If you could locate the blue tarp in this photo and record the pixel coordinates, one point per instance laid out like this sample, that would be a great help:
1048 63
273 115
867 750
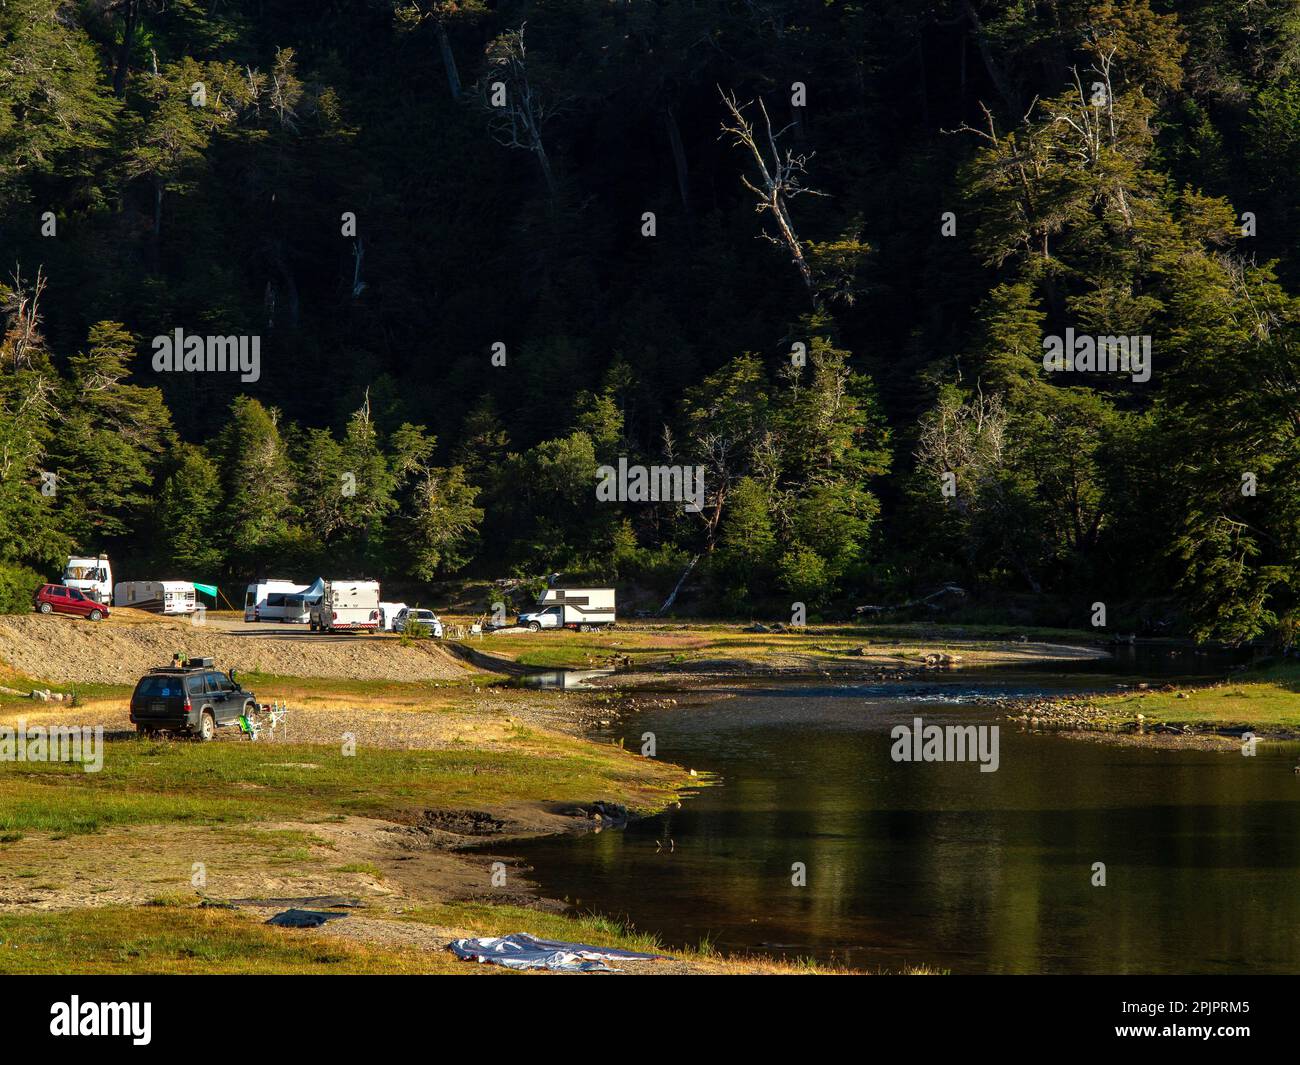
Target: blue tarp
522 951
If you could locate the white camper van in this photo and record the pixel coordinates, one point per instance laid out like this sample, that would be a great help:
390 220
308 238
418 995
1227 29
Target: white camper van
276 600
571 608
162 597
347 605
92 576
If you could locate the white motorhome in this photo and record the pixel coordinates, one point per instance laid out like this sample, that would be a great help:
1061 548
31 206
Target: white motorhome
571 608
93 576
279 600
161 597
347 605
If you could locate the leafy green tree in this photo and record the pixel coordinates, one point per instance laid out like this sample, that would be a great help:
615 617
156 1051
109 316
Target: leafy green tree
745 557
111 440
55 117
29 528
172 138
190 537
442 523
257 511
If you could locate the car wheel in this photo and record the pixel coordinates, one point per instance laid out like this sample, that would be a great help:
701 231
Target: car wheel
45 608
96 615
207 726
144 731
535 626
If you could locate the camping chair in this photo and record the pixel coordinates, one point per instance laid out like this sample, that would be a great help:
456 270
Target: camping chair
263 721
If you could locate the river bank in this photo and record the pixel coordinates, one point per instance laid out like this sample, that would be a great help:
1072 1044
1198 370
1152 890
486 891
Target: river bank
822 843
679 652
417 824
1264 702
394 804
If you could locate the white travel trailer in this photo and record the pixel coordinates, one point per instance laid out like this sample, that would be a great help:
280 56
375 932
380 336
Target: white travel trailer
93 576
162 597
387 612
278 600
571 608
347 605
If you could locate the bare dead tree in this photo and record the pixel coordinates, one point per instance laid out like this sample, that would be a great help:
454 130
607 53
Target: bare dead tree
439 13
358 256
519 111
1092 123
22 307
780 180
970 437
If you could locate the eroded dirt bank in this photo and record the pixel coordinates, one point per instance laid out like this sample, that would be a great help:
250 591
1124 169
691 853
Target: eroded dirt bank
69 650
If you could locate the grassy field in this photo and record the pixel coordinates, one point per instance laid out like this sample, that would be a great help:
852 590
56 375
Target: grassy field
178 940
1268 699
94 846
658 646
162 781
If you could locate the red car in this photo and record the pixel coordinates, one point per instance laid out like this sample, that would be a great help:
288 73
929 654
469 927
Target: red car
59 599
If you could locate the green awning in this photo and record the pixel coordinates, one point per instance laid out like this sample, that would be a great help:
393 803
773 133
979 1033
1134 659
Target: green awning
206 589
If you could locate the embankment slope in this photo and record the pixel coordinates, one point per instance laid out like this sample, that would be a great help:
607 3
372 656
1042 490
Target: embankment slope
66 650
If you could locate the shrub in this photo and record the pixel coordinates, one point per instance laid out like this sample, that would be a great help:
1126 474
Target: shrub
17 586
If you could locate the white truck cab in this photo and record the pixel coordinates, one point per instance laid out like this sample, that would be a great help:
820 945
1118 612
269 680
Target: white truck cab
92 576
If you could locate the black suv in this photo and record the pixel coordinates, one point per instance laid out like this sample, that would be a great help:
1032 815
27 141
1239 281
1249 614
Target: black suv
195 698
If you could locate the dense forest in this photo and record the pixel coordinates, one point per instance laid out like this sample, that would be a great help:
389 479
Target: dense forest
818 248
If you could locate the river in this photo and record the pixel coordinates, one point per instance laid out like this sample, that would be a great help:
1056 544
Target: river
940 864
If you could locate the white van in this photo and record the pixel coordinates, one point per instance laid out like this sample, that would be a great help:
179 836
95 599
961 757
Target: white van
161 597
347 605
276 600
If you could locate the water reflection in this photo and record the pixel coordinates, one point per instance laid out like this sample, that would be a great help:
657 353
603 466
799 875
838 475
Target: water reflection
942 864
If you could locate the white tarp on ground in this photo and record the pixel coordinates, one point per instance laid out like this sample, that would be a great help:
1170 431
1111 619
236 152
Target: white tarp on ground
522 951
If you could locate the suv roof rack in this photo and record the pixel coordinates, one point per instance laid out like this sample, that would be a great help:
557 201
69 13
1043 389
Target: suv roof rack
192 666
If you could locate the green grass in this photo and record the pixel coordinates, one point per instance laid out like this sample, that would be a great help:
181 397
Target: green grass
490 919
368 868
334 687
1266 699
165 782
650 645
171 939
169 936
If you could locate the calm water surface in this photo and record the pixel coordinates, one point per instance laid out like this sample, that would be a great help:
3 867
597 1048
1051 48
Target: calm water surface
939 863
